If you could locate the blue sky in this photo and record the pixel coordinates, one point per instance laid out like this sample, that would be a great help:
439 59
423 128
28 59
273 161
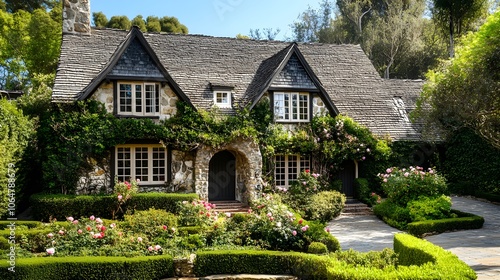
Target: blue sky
224 18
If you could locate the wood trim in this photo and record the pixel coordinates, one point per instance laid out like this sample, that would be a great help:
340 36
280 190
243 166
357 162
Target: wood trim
169 165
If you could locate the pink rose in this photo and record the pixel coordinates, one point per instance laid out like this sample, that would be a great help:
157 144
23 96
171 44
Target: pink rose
120 197
150 248
304 183
138 180
327 230
165 227
50 235
385 180
139 239
92 218
70 219
304 228
79 231
294 232
75 222
157 247
50 251
61 232
406 174
269 214
388 170
98 220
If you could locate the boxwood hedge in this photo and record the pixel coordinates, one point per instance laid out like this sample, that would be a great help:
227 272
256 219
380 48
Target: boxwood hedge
46 206
463 222
152 267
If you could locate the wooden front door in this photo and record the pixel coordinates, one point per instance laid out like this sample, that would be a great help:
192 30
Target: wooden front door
347 176
222 177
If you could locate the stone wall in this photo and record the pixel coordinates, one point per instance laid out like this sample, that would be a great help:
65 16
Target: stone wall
248 168
182 172
96 181
76 16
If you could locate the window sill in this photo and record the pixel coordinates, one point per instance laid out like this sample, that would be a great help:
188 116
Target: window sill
121 116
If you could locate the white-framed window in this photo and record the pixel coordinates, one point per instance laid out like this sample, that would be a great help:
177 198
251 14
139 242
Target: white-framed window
222 99
139 99
291 106
148 163
288 168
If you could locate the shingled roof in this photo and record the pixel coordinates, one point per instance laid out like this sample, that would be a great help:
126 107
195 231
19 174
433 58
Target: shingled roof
192 63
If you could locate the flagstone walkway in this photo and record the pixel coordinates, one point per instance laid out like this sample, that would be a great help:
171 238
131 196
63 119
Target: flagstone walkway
480 248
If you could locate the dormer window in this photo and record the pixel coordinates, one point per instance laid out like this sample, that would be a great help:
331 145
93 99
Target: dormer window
222 99
138 99
291 106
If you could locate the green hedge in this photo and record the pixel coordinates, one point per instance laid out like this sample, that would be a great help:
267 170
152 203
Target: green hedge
61 206
28 224
463 222
418 259
154 267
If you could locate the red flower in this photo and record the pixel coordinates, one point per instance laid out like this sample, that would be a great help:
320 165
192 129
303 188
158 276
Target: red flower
301 221
103 229
88 228
164 227
307 171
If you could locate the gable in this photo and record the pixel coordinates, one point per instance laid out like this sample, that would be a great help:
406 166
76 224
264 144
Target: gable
136 62
293 75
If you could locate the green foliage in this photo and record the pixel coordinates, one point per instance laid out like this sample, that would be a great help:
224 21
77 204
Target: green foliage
393 214
464 221
150 222
16 131
375 259
404 185
454 97
471 164
430 208
324 206
151 24
150 267
317 248
414 251
27 224
62 206
197 213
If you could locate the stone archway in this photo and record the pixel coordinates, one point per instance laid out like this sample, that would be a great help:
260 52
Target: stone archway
248 169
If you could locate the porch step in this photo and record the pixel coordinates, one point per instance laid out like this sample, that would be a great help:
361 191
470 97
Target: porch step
353 207
231 206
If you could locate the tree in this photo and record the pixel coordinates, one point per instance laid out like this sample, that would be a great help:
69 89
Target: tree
311 22
100 19
355 11
13 6
242 37
266 34
139 22
153 24
465 91
119 22
457 16
172 25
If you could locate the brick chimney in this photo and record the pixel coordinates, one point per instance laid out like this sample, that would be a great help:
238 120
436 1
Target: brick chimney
76 16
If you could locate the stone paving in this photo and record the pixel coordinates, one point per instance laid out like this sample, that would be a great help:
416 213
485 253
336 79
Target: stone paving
480 248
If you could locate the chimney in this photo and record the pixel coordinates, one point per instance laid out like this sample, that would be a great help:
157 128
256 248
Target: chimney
76 16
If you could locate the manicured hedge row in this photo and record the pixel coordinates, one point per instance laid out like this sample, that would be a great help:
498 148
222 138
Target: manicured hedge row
62 206
419 259
463 222
98 268
28 224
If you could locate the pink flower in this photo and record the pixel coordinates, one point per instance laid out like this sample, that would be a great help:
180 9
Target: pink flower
431 171
269 214
294 232
113 225
315 175
388 170
165 227
61 232
98 220
367 150
138 180
103 229
228 215
75 222
70 219
96 236
385 180
304 228
139 239
92 218
157 247
304 183
50 235
150 248
327 230
120 197
50 251
406 174
363 158
80 231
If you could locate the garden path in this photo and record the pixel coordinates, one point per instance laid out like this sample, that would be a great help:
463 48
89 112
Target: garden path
480 248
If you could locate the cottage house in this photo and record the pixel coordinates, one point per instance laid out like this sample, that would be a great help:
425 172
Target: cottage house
143 75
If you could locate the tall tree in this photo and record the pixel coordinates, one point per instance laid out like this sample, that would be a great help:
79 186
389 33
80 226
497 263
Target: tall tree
311 22
465 91
119 22
100 19
355 11
172 25
139 22
153 24
457 16
13 6
266 34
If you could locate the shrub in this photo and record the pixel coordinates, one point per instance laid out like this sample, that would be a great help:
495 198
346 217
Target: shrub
427 208
123 192
393 214
332 243
362 190
46 206
462 222
196 213
376 259
404 185
151 222
27 224
324 206
151 267
317 248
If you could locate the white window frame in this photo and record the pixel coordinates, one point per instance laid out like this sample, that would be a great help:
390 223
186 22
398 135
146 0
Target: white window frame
161 167
222 104
286 111
288 167
141 102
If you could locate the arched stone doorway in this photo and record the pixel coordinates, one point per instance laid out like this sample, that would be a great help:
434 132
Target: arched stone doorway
222 177
247 169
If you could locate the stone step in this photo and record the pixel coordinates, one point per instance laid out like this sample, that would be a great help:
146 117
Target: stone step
230 207
355 208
